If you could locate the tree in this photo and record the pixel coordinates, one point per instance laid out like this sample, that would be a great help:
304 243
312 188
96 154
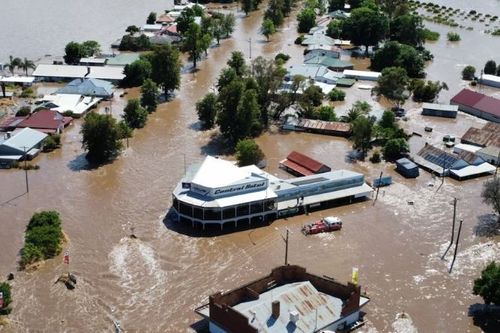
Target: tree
166 67
90 48
100 137
135 43
468 73
136 73
313 95
392 84
393 148
388 119
490 67
151 18
488 285
426 91
394 54
326 113
334 28
407 29
7 297
394 8
267 28
73 53
27 64
134 114
307 20
206 41
227 76
124 130
366 27
248 115
228 23
132 29
498 70
185 20
149 95
362 133
229 99
491 194
336 95
218 29
336 5
274 12
207 110
237 62
193 42
247 6
248 152
13 63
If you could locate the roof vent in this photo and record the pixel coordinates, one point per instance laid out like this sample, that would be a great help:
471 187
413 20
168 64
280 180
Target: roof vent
294 316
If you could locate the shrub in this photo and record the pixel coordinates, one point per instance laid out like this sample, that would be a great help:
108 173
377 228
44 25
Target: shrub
248 152
376 158
23 112
42 239
282 56
490 67
299 40
68 113
430 35
336 95
27 93
49 144
453 36
7 298
468 73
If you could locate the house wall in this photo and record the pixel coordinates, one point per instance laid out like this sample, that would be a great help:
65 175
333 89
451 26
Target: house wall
439 113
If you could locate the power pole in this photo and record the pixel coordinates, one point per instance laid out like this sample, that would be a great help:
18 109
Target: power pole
285 239
378 187
452 228
250 47
456 246
497 163
26 170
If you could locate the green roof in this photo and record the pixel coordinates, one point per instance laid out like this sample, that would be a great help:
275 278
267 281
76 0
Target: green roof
328 62
123 59
345 82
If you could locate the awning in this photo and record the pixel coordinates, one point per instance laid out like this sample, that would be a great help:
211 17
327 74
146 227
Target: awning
472 170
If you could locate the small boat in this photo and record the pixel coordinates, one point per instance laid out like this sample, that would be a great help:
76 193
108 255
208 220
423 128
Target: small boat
326 224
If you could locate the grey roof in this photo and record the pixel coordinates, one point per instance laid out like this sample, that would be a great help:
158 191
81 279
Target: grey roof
26 138
318 39
123 59
406 163
315 309
440 107
307 70
88 87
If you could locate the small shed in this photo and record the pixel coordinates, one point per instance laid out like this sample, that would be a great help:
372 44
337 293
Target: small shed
407 168
490 80
302 165
439 110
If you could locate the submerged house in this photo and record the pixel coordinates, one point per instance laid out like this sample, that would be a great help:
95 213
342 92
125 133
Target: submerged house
289 299
478 104
303 165
407 168
46 121
88 87
333 64
24 143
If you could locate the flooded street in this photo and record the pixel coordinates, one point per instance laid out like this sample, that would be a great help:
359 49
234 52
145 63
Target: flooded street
153 283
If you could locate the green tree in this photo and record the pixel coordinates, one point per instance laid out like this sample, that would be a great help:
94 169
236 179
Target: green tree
207 110
248 152
237 62
334 28
136 73
90 48
392 84
248 115
336 95
184 20
73 53
394 54
247 6
388 119
151 18
227 76
132 29
336 5
326 113
313 95
166 67
307 20
274 12
393 148
407 29
366 27
228 24
135 43
267 28
229 99
100 138
124 130
488 285
193 42
490 67
134 114
468 73
26 64
218 29
149 95
13 63
491 194
7 296
426 91
362 129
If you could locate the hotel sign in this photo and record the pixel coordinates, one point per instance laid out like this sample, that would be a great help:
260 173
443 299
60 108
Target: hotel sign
230 190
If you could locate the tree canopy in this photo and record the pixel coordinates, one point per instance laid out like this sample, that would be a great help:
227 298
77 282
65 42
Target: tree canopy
491 194
136 73
366 27
392 83
362 129
394 54
268 28
488 285
149 95
407 29
101 137
490 67
166 67
134 114
248 152
207 110
307 20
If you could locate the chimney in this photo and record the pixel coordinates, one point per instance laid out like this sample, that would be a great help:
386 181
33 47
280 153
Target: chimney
276 309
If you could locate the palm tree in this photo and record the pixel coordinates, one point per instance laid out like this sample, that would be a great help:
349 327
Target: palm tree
27 64
12 64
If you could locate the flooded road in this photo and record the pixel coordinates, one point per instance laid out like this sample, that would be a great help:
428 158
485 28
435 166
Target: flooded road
153 283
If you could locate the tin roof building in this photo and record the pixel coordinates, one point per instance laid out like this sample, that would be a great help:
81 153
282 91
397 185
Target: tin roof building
14 146
478 104
407 168
439 110
303 165
489 135
288 300
219 192
88 87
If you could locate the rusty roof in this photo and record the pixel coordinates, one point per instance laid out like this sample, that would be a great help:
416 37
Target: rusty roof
325 125
489 135
306 162
467 97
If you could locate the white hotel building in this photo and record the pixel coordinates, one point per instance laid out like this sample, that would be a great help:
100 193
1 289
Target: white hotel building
219 192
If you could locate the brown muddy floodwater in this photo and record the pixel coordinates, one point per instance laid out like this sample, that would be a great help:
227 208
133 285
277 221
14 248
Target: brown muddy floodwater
153 283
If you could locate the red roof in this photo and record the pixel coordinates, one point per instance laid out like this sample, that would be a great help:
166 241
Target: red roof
467 98
489 105
303 164
45 119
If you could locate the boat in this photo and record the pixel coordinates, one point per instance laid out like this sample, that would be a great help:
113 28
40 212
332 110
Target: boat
326 224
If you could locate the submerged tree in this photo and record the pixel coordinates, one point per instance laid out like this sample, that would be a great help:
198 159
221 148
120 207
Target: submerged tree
134 114
27 64
248 152
207 110
392 84
100 137
267 28
149 95
488 285
13 64
166 67
491 194
366 27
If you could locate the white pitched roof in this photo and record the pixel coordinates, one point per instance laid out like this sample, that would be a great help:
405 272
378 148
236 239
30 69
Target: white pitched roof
215 172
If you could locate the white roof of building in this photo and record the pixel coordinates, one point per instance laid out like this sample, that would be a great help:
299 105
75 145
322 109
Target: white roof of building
93 60
70 71
472 170
440 107
26 138
77 104
489 77
17 79
152 27
354 73
215 172
465 147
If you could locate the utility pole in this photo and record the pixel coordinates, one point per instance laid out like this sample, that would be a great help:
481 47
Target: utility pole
285 239
452 228
497 163
456 246
250 47
26 170
378 187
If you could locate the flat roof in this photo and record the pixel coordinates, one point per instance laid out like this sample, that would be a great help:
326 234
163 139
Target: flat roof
123 59
440 107
466 147
92 60
489 77
473 170
350 72
17 79
71 71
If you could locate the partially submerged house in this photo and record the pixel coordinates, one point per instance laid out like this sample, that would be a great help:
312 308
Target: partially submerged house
289 299
462 166
334 128
303 165
46 121
361 75
439 110
78 105
477 104
333 64
489 135
24 143
322 50
88 87
407 168
317 73
44 72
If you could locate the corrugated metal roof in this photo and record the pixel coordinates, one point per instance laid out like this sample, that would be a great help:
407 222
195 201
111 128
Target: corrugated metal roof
88 87
467 97
489 105
306 161
328 62
489 135
25 138
325 125
440 107
406 163
315 309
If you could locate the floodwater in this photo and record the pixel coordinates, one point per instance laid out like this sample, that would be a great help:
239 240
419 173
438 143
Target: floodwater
153 283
